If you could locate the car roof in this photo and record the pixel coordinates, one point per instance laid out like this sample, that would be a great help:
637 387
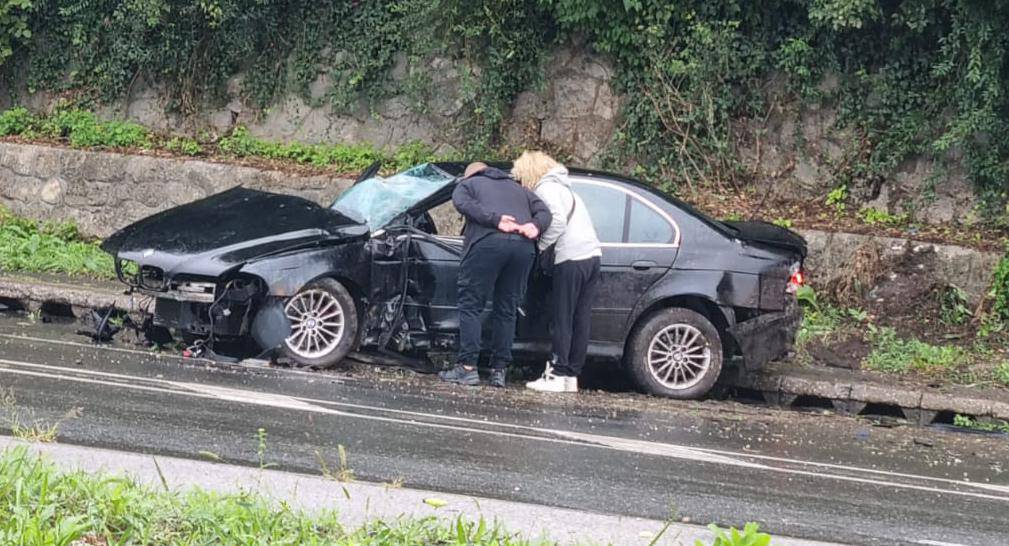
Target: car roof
456 168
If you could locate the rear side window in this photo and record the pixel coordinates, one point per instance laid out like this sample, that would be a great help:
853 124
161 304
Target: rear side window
607 207
647 226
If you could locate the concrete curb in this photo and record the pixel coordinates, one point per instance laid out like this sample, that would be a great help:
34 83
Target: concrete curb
37 294
854 393
783 384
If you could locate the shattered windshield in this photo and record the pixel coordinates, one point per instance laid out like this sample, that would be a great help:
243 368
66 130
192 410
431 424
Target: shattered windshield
376 201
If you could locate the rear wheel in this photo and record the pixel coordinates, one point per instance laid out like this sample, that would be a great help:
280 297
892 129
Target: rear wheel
323 324
676 353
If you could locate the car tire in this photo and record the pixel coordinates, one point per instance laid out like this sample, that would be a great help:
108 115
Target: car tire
675 353
323 319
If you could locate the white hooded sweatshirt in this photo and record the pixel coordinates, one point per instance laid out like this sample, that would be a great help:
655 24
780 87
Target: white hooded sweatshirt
576 240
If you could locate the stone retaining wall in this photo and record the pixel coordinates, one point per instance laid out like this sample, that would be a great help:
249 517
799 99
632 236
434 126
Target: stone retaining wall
104 191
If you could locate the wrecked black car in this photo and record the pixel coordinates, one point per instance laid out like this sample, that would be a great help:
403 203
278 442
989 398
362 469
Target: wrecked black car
681 296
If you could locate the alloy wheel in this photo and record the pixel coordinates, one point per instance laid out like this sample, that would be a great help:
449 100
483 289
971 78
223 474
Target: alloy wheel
317 323
678 356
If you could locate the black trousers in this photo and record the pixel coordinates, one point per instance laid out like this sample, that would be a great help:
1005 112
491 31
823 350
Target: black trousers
498 264
574 290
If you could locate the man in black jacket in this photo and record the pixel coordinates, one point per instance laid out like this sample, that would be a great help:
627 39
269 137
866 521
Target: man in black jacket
503 220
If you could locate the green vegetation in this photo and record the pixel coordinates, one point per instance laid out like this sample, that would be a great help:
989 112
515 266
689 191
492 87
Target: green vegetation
836 198
953 306
983 425
875 217
782 222
83 129
30 246
45 506
48 507
1002 374
908 79
749 536
79 128
821 320
184 146
999 293
893 354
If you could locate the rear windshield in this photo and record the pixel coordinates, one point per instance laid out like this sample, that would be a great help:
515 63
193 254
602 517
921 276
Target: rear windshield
377 201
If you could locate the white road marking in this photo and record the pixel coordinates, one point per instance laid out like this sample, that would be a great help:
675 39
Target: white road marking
939 543
769 458
538 434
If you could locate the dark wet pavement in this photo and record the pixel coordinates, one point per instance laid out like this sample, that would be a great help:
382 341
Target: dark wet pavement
815 476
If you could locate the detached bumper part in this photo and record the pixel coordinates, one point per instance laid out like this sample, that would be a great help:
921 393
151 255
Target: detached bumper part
767 337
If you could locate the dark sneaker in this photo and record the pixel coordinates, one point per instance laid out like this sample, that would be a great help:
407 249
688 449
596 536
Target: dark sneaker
497 378
460 375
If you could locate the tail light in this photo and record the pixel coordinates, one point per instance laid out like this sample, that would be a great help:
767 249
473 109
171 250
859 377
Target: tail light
797 279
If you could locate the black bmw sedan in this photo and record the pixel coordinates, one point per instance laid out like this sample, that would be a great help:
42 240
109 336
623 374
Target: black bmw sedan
682 296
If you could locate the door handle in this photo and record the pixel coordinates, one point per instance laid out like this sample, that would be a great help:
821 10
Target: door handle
643 265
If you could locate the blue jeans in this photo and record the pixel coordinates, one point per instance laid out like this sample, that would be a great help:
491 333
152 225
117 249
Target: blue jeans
497 265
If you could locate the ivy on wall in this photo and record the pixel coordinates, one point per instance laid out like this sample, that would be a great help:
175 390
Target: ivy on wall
913 77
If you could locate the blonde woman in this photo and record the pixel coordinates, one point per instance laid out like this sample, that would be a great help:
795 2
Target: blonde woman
575 272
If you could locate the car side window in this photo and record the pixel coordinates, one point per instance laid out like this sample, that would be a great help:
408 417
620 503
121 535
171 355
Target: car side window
607 207
647 226
447 219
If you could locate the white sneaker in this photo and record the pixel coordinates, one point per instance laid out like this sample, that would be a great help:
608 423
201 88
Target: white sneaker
549 382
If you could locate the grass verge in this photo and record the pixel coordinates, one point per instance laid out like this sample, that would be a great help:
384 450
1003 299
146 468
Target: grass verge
34 247
44 506
83 129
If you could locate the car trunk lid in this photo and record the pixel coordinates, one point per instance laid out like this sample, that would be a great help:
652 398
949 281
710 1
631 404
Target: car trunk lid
767 234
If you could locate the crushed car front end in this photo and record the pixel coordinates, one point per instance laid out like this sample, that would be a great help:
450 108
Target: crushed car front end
209 267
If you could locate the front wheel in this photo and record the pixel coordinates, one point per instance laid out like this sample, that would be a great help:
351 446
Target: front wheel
323 324
676 353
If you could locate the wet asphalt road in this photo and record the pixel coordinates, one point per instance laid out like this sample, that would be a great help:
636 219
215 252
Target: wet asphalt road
806 475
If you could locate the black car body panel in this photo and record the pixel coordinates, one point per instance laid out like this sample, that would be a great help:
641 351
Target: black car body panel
211 236
248 248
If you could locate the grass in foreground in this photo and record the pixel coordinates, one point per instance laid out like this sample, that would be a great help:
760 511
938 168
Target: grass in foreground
33 247
46 507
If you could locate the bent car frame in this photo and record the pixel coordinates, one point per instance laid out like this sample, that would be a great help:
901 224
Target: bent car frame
681 297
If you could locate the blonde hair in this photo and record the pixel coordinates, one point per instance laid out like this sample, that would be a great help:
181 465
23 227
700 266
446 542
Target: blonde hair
530 167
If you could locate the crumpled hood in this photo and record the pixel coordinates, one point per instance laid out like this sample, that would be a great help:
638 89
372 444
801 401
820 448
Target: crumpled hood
212 235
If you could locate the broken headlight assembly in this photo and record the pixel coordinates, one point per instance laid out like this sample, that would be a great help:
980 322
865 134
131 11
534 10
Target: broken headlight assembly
127 271
152 278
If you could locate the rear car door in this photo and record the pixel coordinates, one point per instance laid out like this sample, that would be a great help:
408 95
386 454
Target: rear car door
639 244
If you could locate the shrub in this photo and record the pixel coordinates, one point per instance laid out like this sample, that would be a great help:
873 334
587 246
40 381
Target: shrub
83 129
184 145
15 121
